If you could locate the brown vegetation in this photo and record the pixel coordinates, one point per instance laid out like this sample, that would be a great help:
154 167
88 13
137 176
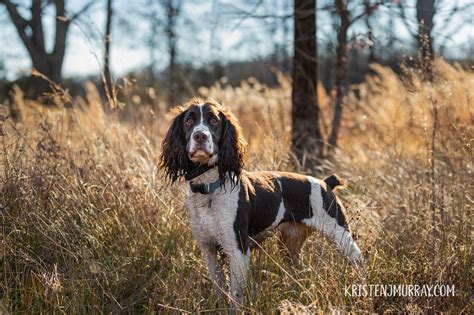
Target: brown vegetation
88 225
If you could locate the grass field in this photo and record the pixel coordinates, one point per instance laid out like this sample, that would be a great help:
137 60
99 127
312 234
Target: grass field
88 224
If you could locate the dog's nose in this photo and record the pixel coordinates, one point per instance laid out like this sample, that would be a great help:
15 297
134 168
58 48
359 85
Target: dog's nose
200 137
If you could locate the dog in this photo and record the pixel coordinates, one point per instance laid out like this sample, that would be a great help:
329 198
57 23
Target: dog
230 209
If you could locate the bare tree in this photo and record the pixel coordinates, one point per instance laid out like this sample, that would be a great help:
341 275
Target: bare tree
341 67
108 84
151 12
346 20
425 31
152 40
32 35
369 9
286 65
162 17
306 134
391 33
276 19
172 11
425 11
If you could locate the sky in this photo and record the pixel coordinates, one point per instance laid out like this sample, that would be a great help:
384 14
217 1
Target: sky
206 32
84 50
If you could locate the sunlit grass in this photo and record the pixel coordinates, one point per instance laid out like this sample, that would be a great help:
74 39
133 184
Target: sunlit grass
90 226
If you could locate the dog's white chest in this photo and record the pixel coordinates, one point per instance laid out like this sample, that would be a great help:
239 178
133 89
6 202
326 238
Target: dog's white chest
210 217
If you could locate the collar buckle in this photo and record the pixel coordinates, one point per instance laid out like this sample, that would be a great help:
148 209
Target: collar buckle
205 189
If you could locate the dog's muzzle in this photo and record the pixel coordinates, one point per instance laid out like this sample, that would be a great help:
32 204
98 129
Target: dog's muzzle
201 146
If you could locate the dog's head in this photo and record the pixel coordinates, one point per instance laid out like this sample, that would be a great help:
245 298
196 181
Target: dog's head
203 132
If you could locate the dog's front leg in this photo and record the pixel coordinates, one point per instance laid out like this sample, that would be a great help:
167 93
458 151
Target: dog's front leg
238 265
215 270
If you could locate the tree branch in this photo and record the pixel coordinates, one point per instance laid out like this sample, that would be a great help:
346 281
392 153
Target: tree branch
405 20
456 9
84 9
20 24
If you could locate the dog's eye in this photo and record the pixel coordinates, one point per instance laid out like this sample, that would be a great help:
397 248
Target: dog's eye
214 121
189 121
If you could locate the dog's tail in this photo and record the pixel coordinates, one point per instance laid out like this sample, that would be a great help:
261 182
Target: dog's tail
333 181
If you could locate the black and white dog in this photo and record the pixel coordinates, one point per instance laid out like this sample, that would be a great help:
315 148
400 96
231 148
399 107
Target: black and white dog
230 208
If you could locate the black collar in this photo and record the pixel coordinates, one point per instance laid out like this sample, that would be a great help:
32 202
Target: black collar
205 189
198 170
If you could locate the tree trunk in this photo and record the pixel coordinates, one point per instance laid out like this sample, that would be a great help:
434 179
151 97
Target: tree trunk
286 37
107 39
172 77
172 12
370 34
341 71
425 11
306 134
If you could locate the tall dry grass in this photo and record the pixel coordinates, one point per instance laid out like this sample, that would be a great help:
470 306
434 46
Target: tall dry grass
89 225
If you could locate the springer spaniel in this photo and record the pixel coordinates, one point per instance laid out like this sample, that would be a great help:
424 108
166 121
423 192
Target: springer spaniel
230 209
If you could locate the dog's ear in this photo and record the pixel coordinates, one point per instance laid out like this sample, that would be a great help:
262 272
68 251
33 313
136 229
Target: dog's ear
232 148
174 159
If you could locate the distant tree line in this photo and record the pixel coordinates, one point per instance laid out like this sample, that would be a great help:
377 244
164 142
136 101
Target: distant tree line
342 60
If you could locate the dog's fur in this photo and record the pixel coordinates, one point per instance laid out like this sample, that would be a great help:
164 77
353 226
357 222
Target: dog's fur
245 206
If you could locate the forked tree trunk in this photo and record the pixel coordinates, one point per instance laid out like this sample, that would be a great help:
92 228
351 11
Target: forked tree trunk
32 35
306 134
